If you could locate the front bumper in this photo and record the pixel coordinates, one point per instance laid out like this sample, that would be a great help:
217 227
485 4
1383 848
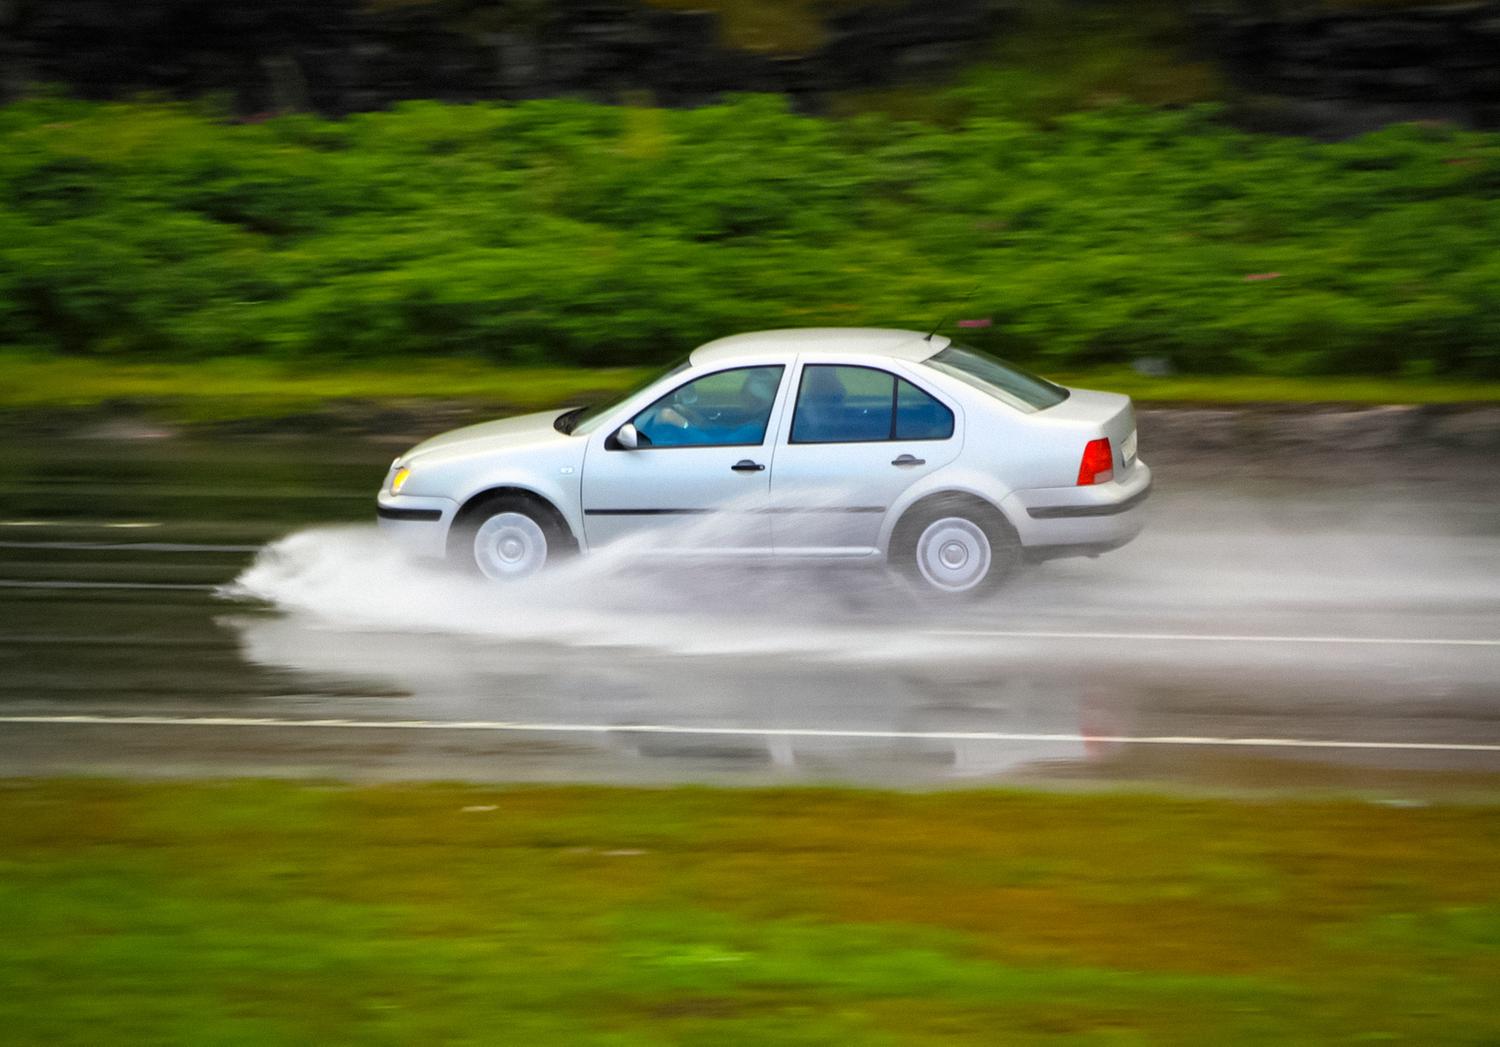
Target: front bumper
1081 520
417 525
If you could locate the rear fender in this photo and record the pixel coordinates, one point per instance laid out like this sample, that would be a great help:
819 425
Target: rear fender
954 480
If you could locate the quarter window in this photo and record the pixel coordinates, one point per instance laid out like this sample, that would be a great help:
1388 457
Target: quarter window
919 416
723 409
863 404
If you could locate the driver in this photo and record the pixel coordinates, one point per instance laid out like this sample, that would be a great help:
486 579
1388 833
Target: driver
745 423
757 394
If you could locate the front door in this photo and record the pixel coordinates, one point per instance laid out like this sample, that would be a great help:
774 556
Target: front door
699 477
859 437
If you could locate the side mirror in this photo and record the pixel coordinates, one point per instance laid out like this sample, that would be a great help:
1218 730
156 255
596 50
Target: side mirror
628 437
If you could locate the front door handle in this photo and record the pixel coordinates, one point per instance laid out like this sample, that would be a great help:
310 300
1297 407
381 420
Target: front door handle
907 459
745 465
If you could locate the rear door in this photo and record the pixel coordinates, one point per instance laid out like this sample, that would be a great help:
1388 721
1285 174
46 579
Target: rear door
700 478
853 438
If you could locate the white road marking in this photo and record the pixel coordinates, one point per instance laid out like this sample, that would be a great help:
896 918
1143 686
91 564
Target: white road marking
36 640
120 524
1396 641
786 732
6 583
142 547
194 491
1004 634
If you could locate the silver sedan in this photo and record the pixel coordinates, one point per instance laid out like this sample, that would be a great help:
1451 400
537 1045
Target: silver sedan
816 445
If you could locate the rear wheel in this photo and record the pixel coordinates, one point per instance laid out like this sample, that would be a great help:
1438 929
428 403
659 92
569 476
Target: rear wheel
507 538
955 547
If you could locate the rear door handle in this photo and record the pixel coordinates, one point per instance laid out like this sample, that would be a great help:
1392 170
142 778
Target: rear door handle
745 465
907 459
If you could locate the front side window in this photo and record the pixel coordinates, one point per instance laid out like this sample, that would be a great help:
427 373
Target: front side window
723 409
863 404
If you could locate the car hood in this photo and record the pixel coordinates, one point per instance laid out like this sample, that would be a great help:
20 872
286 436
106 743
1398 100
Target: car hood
502 434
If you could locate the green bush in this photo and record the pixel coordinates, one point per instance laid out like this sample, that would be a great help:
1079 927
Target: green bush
560 231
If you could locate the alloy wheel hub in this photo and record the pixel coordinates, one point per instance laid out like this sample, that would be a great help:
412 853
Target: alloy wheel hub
510 545
953 554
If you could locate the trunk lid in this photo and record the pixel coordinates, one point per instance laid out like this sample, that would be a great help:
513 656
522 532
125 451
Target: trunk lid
1101 414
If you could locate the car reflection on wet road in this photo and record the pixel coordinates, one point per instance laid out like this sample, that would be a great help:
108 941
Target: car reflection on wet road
1276 630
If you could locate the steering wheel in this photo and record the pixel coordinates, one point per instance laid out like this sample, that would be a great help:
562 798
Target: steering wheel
683 408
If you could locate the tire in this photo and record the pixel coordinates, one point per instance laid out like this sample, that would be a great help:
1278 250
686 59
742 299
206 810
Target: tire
508 537
955 548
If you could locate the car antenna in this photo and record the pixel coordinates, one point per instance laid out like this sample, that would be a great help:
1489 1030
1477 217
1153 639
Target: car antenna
951 313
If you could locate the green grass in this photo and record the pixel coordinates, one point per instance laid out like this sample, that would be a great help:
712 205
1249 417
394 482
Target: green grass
289 914
233 388
244 387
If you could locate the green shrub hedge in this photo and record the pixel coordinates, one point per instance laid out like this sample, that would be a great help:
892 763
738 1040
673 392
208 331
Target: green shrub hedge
560 231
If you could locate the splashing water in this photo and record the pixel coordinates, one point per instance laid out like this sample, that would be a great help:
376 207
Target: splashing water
1207 563
351 578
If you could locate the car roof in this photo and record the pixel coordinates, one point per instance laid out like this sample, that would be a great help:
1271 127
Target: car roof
902 345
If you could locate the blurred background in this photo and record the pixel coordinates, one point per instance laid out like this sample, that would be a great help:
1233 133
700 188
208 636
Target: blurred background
1252 189
1233 783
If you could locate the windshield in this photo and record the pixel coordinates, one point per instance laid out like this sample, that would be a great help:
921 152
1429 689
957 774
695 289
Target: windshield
583 420
1005 382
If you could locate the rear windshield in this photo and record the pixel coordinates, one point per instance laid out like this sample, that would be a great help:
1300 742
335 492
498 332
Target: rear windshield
1005 382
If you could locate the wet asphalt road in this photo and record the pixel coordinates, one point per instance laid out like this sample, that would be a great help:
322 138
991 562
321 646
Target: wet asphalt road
1280 625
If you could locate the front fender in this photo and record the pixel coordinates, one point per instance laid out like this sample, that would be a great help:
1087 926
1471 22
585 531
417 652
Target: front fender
563 495
554 477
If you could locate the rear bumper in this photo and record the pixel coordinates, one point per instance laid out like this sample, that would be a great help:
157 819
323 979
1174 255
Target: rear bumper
1064 521
419 526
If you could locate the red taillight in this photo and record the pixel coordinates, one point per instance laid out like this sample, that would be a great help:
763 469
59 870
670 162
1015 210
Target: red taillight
1098 465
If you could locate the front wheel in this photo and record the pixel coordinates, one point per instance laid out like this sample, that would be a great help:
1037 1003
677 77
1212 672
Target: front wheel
506 539
955 548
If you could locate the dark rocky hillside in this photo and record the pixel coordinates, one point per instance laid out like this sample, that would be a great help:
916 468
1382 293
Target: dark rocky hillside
1347 69
1292 66
348 55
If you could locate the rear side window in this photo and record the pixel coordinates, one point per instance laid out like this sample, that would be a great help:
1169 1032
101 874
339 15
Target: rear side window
864 404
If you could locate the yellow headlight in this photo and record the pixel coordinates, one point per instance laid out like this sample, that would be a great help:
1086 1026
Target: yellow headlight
399 480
